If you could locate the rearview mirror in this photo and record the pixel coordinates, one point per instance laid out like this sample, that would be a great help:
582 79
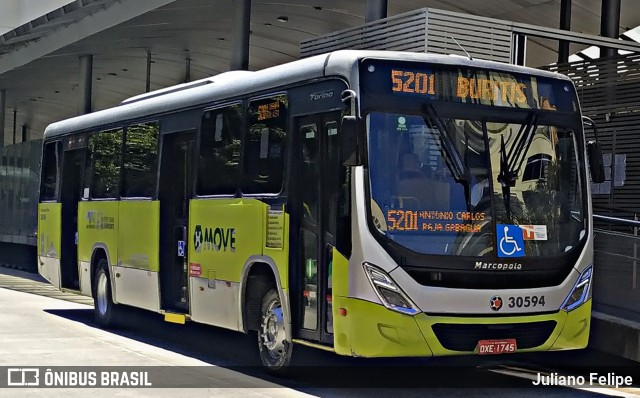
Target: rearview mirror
596 161
594 152
349 141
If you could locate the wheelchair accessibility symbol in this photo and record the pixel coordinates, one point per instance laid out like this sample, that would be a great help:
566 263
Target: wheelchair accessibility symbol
510 241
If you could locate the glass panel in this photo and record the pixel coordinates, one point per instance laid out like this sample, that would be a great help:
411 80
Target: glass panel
419 199
182 176
546 201
433 182
310 171
332 176
265 149
140 160
106 150
310 285
49 171
329 298
219 162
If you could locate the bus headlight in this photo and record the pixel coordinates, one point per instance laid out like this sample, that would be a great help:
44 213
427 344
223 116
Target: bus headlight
580 292
388 292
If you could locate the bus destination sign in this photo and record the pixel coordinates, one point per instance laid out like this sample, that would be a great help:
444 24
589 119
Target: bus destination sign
269 110
463 84
500 91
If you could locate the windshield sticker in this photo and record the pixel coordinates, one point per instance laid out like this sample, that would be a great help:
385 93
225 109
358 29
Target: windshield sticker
195 270
402 124
510 240
435 221
534 232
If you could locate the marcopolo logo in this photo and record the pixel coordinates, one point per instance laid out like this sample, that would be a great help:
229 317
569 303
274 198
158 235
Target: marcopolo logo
216 239
495 303
481 265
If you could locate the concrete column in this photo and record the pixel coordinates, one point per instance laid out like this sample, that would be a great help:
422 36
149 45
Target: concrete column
565 24
240 35
85 84
375 10
3 107
187 72
610 24
15 124
148 86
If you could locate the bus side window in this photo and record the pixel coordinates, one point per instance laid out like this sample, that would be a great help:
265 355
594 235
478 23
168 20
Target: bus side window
106 150
140 160
220 143
265 147
49 172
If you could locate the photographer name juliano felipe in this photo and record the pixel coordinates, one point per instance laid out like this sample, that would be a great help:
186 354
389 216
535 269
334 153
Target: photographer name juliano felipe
593 380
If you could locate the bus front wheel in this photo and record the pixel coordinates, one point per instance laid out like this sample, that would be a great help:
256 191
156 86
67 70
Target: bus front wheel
104 308
275 350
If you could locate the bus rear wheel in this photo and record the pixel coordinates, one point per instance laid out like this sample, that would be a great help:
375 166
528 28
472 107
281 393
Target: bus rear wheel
104 308
275 350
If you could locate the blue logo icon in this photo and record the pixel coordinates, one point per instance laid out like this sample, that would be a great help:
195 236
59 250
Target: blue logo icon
180 248
510 241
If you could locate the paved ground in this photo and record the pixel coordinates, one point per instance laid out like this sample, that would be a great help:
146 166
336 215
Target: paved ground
32 332
43 327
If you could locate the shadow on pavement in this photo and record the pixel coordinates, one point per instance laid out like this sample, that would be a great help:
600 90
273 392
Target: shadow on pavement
321 373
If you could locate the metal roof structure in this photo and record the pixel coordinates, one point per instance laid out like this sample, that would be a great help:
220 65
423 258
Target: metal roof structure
188 40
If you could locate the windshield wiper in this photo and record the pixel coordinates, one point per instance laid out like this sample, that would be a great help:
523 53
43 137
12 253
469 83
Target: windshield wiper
452 158
506 178
511 163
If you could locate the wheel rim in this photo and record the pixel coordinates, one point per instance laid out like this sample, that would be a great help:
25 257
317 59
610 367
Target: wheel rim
101 293
273 336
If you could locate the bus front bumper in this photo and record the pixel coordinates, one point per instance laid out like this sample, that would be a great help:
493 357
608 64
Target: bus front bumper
371 330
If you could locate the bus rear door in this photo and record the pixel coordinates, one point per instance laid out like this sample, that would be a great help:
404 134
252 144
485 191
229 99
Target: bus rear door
176 188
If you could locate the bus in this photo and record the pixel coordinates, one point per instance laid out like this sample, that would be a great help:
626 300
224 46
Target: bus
369 203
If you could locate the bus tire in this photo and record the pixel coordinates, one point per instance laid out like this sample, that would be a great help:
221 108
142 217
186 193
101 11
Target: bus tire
275 350
103 306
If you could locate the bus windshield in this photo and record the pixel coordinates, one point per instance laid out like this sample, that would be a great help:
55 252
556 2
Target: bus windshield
462 186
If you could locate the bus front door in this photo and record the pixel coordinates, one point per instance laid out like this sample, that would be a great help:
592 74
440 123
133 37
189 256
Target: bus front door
176 187
318 187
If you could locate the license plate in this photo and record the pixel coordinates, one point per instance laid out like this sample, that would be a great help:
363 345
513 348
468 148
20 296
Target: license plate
491 347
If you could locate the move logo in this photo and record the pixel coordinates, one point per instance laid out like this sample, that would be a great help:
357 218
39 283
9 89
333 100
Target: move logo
214 239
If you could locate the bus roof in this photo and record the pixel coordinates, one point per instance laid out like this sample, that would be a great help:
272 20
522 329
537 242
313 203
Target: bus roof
235 84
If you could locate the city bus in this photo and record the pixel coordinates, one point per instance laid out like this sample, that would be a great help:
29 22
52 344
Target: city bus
369 203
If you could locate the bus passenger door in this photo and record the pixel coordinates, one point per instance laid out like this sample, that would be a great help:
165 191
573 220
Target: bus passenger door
318 176
72 172
176 187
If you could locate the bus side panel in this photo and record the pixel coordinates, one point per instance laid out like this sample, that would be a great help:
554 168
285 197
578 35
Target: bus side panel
49 235
340 291
97 229
223 233
376 331
138 254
